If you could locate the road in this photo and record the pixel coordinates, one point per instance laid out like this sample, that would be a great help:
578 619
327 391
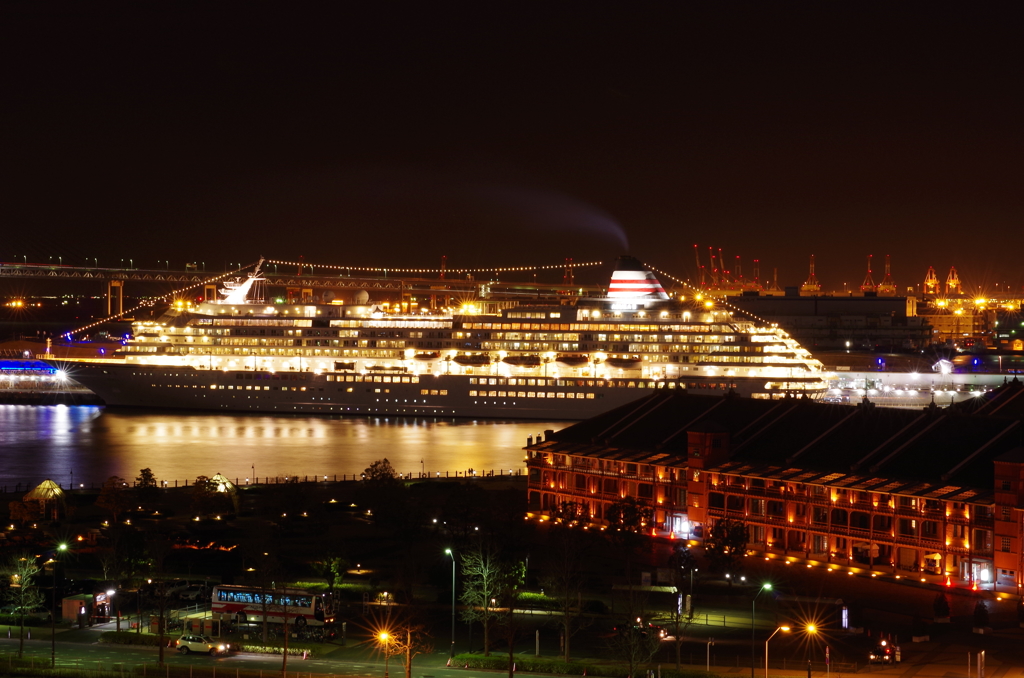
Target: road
935 659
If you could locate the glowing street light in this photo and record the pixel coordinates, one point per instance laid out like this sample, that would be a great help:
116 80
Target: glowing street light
383 637
53 607
753 604
781 628
451 653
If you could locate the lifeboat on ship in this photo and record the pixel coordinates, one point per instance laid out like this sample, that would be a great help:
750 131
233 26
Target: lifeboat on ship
475 360
427 356
572 360
340 366
624 363
523 360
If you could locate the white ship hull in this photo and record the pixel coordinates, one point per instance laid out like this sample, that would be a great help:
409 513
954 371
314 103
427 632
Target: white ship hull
127 385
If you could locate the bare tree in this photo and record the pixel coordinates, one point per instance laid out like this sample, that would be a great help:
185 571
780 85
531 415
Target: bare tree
681 565
114 497
486 577
636 642
566 557
508 594
21 594
159 546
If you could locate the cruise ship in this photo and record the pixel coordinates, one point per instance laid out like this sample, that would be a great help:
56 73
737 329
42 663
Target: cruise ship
566 361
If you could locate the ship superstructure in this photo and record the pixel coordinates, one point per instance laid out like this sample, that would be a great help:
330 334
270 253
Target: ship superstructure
564 361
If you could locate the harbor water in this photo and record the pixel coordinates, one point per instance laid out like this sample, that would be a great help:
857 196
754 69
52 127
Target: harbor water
87 444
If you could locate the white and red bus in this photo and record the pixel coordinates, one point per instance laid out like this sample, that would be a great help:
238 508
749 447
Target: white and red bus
249 603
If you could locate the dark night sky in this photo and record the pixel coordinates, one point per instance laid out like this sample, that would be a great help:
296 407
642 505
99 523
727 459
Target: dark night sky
517 133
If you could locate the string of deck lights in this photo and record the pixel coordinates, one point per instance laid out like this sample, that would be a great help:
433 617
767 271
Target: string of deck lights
378 269
720 300
150 302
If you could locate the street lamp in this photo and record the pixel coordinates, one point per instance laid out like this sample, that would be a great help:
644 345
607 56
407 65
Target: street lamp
781 628
53 608
753 604
451 653
383 636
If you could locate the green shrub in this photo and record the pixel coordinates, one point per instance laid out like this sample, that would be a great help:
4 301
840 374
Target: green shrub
539 601
12 620
131 638
294 649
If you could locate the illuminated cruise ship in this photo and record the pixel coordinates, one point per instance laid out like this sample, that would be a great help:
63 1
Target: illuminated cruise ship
567 361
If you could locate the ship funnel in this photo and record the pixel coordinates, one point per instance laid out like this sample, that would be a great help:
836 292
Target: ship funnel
632 280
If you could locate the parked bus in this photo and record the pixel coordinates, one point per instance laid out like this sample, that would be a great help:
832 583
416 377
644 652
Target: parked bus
249 603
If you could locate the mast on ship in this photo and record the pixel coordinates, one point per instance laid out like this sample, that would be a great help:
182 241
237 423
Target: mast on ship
237 291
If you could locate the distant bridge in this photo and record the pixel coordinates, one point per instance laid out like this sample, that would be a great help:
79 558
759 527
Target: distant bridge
339 278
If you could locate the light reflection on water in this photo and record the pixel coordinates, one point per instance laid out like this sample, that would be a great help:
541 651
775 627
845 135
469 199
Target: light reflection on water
90 444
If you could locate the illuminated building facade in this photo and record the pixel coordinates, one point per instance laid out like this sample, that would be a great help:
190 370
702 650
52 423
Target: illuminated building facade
935 493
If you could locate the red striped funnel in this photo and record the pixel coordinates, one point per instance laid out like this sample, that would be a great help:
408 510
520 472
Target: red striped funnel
632 281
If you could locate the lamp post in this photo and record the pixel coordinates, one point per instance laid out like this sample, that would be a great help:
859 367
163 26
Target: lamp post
53 609
451 652
383 636
113 608
781 628
753 605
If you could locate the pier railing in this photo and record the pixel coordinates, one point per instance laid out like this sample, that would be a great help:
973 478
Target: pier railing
286 480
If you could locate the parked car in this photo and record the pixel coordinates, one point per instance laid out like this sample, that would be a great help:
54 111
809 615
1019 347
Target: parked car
194 592
173 587
202 644
884 653
641 629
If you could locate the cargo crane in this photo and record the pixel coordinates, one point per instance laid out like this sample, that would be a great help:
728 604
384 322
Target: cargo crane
700 266
953 282
887 287
869 284
931 281
811 286
756 284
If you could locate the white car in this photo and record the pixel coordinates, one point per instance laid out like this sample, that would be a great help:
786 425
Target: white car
193 592
203 644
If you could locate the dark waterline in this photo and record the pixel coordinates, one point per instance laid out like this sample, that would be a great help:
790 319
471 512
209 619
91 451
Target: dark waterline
83 444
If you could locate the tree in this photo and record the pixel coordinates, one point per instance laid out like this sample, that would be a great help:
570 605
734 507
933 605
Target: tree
159 546
508 593
486 578
569 548
22 595
940 606
146 485
405 639
264 570
681 565
628 519
725 544
207 499
380 472
635 642
24 512
332 568
113 497
980 615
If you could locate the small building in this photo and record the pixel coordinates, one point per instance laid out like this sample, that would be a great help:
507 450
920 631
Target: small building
48 499
78 608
